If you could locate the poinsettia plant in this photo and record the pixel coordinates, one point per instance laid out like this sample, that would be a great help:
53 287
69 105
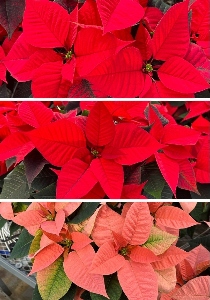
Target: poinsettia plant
123 48
105 149
132 250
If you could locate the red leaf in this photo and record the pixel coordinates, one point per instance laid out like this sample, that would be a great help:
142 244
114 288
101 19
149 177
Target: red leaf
201 19
128 150
174 217
133 191
119 76
201 124
179 135
2 66
152 16
179 75
171 37
35 113
88 13
107 260
98 48
16 144
77 183
77 268
110 176
100 128
51 24
107 222
138 224
143 42
48 81
197 288
46 257
138 281
119 14
169 168
58 141
73 25
187 178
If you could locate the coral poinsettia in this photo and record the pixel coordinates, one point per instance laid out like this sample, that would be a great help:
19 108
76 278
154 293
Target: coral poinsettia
122 253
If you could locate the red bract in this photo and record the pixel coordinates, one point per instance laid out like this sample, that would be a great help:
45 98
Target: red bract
123 49
111 146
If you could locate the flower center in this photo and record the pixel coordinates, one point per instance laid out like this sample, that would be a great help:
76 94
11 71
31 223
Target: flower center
68 55
94 152
148 68
123 251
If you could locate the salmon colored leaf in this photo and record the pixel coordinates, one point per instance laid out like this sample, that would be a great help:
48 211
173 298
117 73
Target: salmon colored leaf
166 279
174 217
46 257
171 257
114 14
77 183
188 206
55 226
35 113
159 241
179 75
173 29
109 175
106 222
142 255
100 128
58 141
51 21
29 218
196 289
138 224
138 281
80 240
68 208
52 281
120 75
128 149
169 168
197 261
107 260
6 210
77 268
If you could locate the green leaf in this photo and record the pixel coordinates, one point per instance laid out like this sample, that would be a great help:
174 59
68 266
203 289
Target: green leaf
35 245
71 293
52 281
197 212
159 241
47 193
84 212
13 228
166 192
15 184
155 181
86 295
19 206
22 246
204 190
113 289
159 4
204 241
36 294
2 222
45 178
177 103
